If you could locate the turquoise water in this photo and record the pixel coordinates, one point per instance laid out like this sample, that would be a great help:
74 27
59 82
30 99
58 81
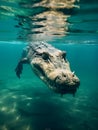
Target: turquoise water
27 103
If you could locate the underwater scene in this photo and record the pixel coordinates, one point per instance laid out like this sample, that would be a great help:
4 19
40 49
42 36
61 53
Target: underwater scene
26 101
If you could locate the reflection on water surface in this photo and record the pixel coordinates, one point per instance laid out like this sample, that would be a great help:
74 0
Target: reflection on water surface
49 20
40 20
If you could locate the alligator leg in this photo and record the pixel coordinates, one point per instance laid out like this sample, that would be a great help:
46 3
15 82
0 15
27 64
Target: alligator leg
19 66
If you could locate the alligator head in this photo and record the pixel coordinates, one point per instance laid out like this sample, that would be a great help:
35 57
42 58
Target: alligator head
51 65
54 69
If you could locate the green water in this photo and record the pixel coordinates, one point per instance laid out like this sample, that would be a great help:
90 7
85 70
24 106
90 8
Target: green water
27 103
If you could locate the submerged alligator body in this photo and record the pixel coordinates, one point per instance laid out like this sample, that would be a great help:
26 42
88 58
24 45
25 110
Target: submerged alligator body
51 65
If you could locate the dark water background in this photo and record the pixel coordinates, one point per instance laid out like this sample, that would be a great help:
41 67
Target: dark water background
28 104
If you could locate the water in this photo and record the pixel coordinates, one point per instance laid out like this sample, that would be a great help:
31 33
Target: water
28 104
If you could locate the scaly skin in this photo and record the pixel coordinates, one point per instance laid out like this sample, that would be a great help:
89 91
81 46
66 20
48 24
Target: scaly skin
51 65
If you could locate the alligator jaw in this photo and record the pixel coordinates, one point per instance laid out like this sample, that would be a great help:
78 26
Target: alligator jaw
65 82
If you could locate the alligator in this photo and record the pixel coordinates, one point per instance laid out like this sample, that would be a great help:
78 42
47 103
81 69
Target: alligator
51 65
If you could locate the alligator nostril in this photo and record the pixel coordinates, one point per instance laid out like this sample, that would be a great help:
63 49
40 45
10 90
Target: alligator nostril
73 75
64 75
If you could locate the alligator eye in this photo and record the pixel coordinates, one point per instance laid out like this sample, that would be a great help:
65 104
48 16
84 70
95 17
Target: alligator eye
64 55
45 56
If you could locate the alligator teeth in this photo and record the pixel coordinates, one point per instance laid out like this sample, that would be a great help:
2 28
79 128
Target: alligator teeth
73 72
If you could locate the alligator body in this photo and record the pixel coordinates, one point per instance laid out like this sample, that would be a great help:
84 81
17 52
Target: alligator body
51 65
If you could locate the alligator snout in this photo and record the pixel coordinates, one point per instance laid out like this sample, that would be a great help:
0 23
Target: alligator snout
66 78
65 82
